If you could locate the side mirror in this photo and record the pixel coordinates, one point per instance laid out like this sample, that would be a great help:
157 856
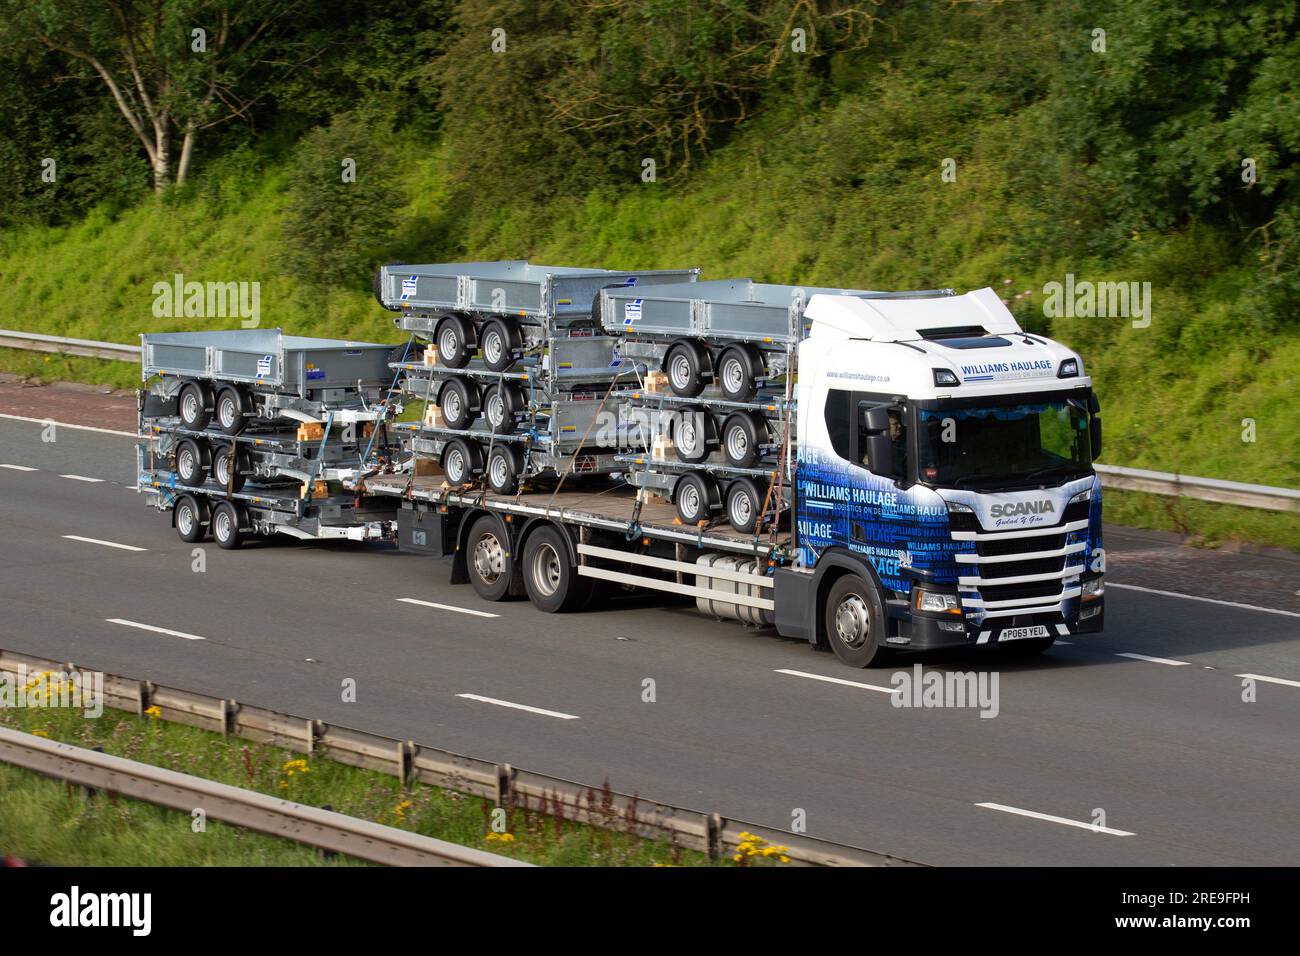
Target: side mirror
880 449
1094 436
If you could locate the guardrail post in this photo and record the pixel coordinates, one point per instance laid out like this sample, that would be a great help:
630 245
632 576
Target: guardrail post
314 728
713 831
505 778
143 696
405 760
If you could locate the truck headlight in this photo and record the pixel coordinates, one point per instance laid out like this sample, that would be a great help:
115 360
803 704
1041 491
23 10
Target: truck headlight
1069 368
1093 588
945 378
957 508
937 602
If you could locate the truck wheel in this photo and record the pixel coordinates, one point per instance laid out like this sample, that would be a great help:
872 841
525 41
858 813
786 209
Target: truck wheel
488 559
738 372
855 621
190 466
498 343
691 435
500 405
552 583
221 467
503 468
744 504
230 409
694 496
685 368
193 403
453 335
460 461
742 433
458 400
189 519
227 517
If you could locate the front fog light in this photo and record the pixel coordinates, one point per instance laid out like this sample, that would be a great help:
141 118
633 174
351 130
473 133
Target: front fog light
1093 589
937 602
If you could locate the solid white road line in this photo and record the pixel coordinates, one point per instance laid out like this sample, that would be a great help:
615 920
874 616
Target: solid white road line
1272 680
836 680
80 428
83 478
1051 819
19 468
1155 660
1197 597
447 607
531 710
107 544
157 630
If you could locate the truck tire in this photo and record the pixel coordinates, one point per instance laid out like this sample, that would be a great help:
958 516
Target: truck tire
191 466
738 372
461 461
695 496
229 411
742 434
487 556
189 519
691 435
458 400
501 403
194 404
855 621
227 522
454 337
685 367
498 342
552 582
503 467
221 467
744 505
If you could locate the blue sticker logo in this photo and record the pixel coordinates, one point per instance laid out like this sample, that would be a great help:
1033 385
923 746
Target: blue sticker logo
631 311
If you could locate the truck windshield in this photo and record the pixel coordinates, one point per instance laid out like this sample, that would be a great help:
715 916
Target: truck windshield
1003 444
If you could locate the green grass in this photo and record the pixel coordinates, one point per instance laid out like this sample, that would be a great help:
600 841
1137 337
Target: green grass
1205 524
55 823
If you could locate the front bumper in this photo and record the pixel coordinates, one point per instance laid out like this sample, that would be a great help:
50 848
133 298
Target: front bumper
924 633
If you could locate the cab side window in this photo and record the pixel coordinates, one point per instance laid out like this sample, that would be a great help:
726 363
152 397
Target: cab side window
839 422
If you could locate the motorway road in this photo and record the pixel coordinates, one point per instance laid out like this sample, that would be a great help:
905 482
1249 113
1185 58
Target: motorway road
1166 748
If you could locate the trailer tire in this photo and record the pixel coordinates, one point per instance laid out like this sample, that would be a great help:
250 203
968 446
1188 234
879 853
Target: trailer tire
498 341
696 498
227 521
194 405
229 411
552 582
744 505
504 465
691 435
855 621
189 520
458 400
501 403
221 467
487 554
739 369
685 365
191 466
742 434
461 461
454 338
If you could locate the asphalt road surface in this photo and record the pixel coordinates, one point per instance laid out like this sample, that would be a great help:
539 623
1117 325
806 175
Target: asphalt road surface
1162 744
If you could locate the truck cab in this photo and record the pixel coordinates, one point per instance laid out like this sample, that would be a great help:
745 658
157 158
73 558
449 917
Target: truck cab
944 493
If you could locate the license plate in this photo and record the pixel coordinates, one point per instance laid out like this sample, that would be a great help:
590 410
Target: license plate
1022 633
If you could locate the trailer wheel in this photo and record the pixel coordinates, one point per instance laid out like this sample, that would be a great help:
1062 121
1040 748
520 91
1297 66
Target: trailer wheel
695 496
503 468
691 435
458 400
488 559
744 505
498 343
454 335
460 461
685 368
189 519
227 519
738 372
222 471
194 402
500 405
230 409
552 583
190 464
855 621
742 434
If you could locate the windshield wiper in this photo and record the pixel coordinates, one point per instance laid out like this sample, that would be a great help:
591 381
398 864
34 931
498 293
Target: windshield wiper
1068 469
